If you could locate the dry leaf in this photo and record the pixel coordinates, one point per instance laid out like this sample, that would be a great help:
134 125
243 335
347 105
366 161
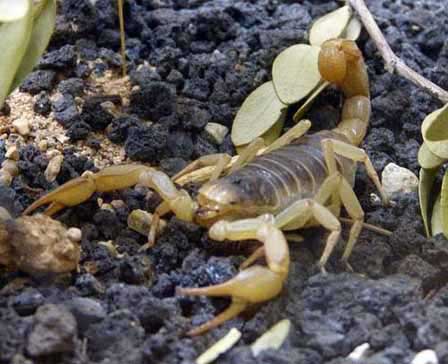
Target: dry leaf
259 112
353 29
295 72
331 25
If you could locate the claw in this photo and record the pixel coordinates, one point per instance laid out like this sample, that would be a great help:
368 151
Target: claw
80 189
252 285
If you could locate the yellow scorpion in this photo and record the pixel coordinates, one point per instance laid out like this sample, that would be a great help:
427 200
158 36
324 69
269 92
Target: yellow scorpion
298 181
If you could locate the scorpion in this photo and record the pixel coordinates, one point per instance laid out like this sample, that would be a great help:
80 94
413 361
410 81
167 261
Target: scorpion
299 181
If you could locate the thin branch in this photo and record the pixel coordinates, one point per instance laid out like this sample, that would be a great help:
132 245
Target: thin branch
122 38
392 62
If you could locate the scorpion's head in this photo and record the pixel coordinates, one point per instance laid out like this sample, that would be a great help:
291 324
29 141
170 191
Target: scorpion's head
232 197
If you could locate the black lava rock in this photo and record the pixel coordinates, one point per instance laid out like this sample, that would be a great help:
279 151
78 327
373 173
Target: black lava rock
42 104
62 59
147 143
37 81
71 86
117 130
54 331
162 102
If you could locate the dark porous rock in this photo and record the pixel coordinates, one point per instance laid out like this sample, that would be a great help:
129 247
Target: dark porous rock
192 114
86 311
147 143
42 105
107 223
95 114
12 333
117 131
416 267
27 301
62 59
65 110
116 339
54 331
72 86
5 110
153 101
172 165
88 285
78 130
37 81
181 145
203 147
136 270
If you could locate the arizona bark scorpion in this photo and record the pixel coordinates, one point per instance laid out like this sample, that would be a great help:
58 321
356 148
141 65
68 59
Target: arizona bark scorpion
299 181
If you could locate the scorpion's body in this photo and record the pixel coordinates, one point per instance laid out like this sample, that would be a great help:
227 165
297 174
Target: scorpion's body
273 181
298 181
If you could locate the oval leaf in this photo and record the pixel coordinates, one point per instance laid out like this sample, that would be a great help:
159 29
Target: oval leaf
427 159
435 132
330 26
14 41
295 72
259 112
353 29
12 10
269 137
309 101
425 185
43 26
436 218
444 204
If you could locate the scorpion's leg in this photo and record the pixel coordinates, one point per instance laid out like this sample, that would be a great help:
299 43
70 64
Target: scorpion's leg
300 212
177 201
80 189
252 285
359 155
219 160
294 133
248 154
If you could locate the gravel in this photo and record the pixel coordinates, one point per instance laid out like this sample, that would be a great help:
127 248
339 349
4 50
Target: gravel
191 63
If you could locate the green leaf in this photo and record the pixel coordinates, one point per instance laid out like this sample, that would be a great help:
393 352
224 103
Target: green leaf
259 112
269 137
427 159
13 10
331 25
425 186
14 38
436 219
309 101
435 132
43 26
295 72
444 204
353 29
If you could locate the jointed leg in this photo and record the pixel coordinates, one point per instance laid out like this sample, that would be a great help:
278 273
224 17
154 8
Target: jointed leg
294 133
359 155
254 284
218 159
248 154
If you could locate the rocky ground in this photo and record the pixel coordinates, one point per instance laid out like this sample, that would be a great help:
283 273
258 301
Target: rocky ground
193 62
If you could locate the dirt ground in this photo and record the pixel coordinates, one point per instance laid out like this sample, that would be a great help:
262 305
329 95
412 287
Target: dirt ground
192 62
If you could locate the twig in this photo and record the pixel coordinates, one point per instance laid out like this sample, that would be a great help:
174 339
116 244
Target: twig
393 62
122 38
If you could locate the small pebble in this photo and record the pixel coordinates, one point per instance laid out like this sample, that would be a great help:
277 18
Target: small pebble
22 126
217 132
396 179
53 168
117 204
74 234
5 178
425 357
12 153
43 145
10 166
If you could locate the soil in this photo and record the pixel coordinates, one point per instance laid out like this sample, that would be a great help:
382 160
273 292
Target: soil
192 62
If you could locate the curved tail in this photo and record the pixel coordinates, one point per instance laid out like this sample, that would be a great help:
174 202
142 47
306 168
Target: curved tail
341 63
